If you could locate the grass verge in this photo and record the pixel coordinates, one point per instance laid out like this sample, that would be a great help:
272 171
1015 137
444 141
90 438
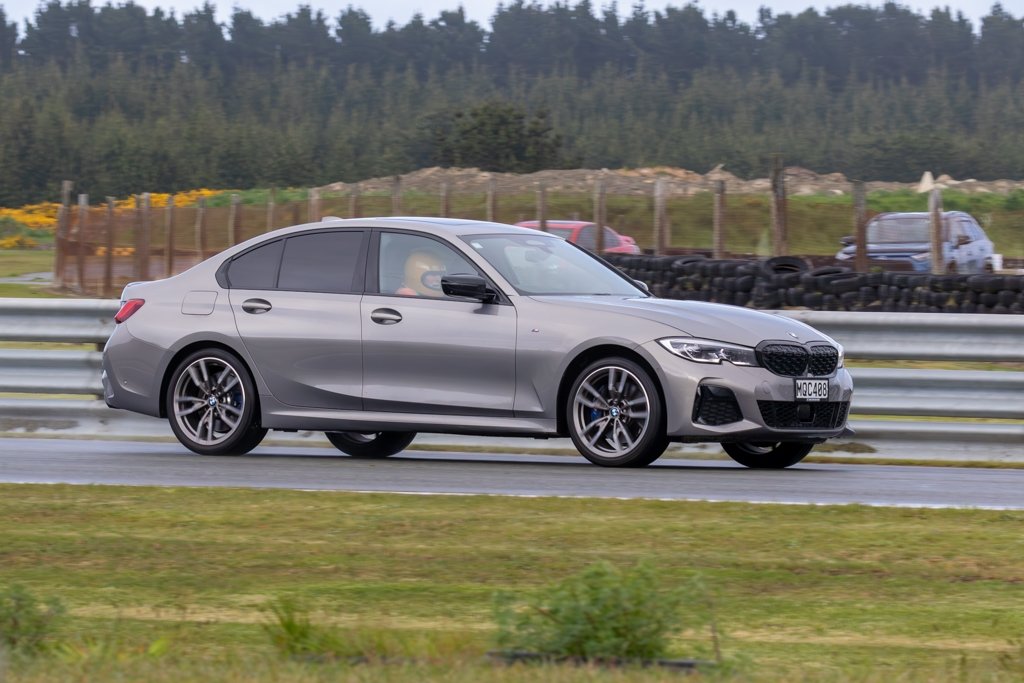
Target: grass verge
173 583
14 262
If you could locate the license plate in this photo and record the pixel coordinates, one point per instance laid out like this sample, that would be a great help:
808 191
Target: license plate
811 389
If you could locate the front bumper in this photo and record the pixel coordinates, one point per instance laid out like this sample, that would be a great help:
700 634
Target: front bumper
708 402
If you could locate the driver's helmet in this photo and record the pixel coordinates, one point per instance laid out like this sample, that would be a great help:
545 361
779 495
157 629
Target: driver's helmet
423 272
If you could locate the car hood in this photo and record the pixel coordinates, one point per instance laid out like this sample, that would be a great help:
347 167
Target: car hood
720 322
893 248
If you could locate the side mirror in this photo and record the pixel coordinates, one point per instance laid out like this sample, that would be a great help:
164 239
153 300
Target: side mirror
467 286
642 285
847 240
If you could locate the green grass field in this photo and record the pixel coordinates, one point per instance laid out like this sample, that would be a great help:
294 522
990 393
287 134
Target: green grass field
15 262
172 584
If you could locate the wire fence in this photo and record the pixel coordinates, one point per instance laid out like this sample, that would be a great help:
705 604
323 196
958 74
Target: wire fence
100 248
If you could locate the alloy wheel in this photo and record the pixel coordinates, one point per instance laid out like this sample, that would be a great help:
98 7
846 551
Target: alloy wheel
611 410
209 399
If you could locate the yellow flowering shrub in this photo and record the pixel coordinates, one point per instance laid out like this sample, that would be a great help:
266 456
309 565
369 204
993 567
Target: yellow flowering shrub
44 215
116 251
18 242
34 216
158 200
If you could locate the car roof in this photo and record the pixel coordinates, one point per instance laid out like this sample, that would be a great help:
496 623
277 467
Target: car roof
446 227
921 214
440 226
556 224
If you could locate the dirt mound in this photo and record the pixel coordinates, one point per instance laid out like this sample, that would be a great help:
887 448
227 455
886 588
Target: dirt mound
640 181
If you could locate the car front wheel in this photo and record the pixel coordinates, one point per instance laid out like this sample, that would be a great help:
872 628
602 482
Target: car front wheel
211 404
768 456
615 414
371 444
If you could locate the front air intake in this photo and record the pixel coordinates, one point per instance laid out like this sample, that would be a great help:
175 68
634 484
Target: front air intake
715 406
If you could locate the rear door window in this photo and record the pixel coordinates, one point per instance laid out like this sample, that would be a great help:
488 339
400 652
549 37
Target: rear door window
323 262
256 268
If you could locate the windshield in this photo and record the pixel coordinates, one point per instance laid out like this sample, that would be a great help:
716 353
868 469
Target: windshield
900 229
549 265
564 233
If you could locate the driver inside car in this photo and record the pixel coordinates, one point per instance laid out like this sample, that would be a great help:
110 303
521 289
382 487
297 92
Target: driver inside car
423 273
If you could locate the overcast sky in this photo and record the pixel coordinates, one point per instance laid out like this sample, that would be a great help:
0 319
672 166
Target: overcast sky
400 11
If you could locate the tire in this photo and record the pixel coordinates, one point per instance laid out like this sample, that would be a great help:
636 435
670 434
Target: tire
767 456
615 415
784 264
208 389
371 445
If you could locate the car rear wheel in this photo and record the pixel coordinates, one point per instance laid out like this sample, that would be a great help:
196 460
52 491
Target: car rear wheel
768 456
212 406
371 444
615 415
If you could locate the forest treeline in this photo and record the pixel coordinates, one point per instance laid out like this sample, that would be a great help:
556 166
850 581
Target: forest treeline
122 100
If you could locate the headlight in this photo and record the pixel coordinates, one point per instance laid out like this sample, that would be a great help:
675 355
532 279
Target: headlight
709 351
842 355
923 256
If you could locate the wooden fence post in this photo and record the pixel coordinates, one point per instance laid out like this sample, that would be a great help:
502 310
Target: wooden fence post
80 241
718 222
169 246
63 226
542 206
780 238
143 246
108 256
860 224
271 206
355 209
201 228
492 201
599 214
233 220
446 198
396 196
935 209
314 204
660 216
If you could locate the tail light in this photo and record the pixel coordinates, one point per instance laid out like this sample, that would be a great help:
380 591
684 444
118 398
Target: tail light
128 309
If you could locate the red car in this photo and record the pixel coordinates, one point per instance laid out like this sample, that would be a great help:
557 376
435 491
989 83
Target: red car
585 235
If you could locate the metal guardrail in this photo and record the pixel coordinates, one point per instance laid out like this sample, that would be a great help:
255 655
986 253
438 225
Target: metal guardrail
921 336
74 321
891 392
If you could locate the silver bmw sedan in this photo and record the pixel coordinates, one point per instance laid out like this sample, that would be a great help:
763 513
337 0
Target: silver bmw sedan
372 330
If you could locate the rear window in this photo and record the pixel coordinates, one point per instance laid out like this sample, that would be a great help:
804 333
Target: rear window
899 229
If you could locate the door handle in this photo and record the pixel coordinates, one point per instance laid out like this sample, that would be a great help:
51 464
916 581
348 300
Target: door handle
386 316
256 306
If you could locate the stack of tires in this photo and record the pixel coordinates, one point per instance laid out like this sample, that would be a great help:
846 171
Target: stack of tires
789 282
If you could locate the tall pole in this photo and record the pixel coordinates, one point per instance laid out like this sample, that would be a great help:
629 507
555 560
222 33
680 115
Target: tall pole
935 209
780 238
718 221
542 206
860 226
